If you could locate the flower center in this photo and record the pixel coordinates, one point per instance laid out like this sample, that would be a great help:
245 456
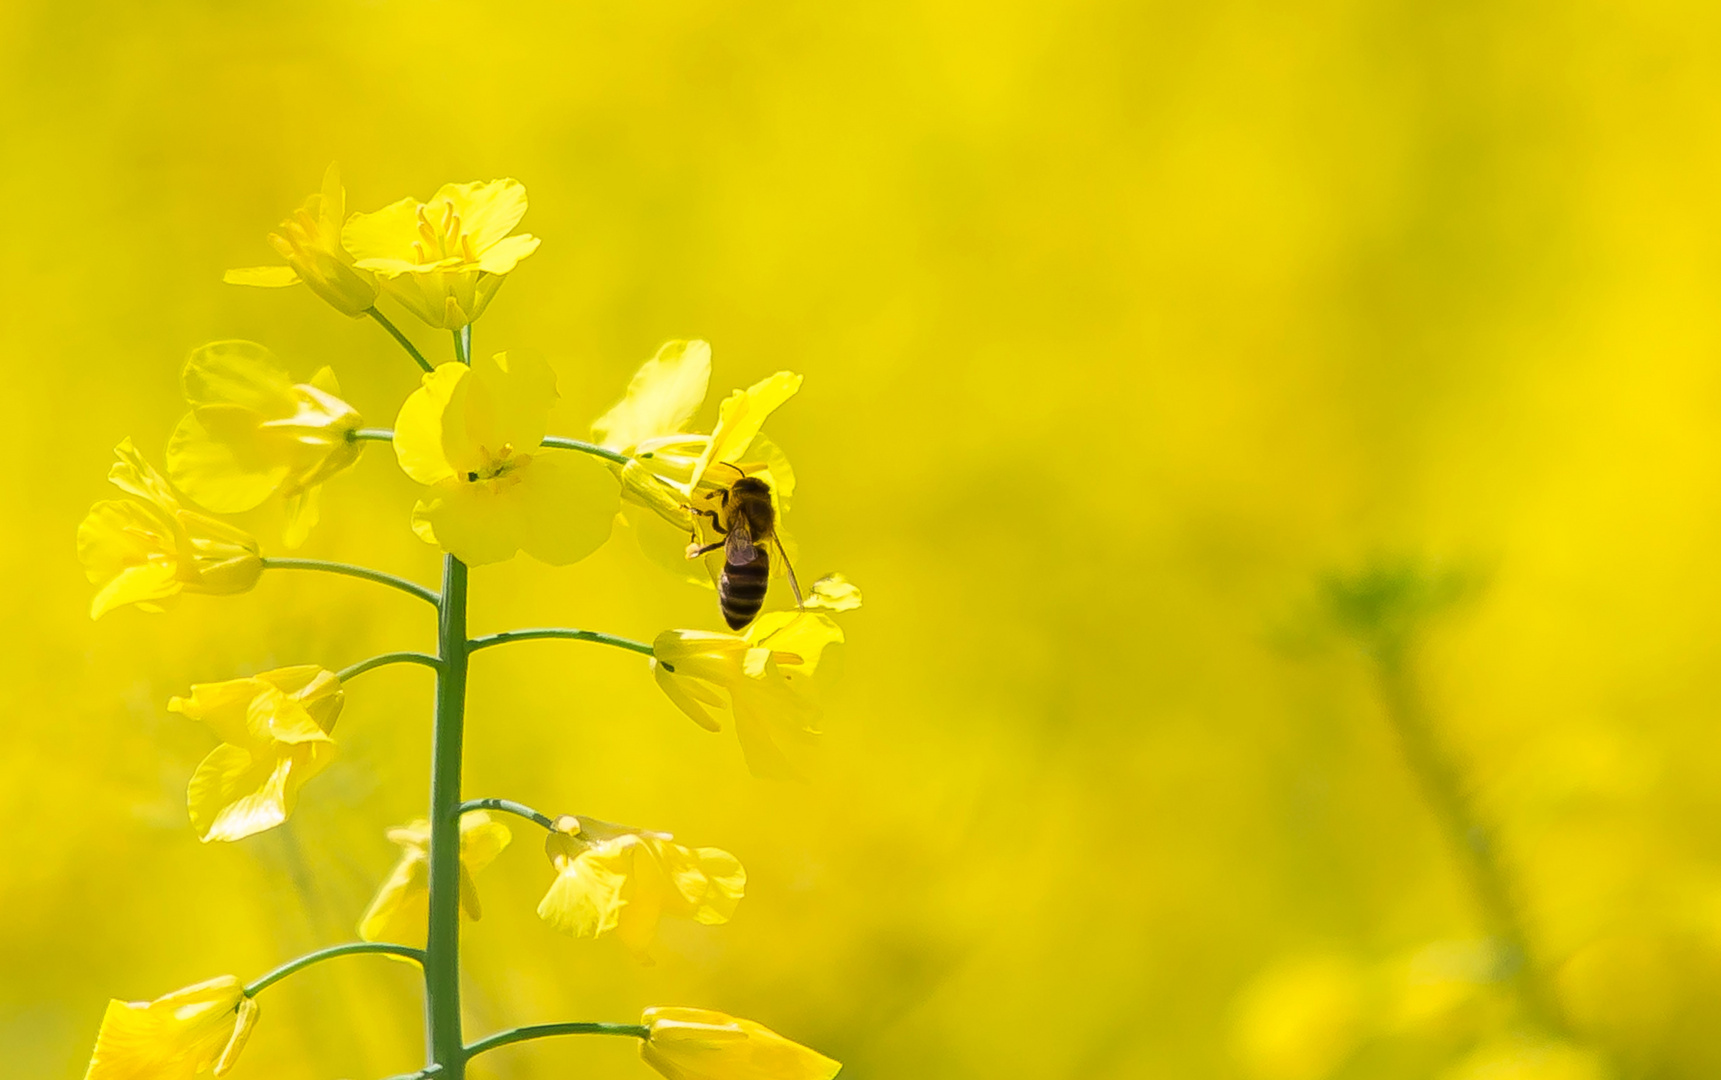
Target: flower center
444 240
499 470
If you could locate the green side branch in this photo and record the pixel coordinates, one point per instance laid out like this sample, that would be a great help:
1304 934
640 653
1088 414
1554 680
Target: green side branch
544 1031
364 573
554 442
262 983
507 806
354 670
561 632
405 342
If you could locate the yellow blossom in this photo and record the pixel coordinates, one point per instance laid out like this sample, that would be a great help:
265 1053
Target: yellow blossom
471 435
148 552
444 259
700 1044
253 432
310 241
614 879
176 1037
766 674
401 910
274 732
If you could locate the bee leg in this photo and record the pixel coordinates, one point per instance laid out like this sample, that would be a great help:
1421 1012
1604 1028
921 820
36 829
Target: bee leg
716 526
695 552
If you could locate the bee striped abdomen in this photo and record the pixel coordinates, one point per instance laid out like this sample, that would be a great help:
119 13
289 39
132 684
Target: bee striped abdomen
741 589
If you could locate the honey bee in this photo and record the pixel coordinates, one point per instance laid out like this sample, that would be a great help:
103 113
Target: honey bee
747 525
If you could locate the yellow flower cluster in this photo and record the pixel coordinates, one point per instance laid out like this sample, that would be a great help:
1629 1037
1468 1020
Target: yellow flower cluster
443 260
475 435
274 731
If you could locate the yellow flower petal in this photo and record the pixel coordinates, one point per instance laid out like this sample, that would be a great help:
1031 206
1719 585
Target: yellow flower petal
472 435
401 909
508 402
702 1044
310 241
274 731
567 506
253 433
741 416
146 553
661 399
173 1037
833 592
389 233
612 879
444 259
487 211
418 429
802 633
503 255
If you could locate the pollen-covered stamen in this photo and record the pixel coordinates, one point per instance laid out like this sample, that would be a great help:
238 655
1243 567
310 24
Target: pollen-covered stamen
446 239
498 470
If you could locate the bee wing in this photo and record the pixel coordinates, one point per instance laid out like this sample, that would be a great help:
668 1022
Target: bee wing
789 568
738 546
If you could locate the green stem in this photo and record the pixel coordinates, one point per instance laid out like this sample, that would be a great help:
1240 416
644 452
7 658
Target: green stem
507 806
405 586
374 434
463 344
355 670
442 950
560 443
1442 785
597 636
258 985
394 332
541 1031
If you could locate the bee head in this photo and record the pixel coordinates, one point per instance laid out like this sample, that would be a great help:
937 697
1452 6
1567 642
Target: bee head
750 485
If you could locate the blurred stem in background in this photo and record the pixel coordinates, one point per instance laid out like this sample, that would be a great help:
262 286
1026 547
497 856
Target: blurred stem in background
1384 608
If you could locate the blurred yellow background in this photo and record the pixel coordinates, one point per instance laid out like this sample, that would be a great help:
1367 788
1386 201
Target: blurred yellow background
1123 325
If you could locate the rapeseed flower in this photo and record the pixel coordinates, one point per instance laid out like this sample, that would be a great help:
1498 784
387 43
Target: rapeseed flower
612 879
701 1044
310 241
253 432
670 466
174 1037
274 731
471 435
401 910
444 259
147 552
766 674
